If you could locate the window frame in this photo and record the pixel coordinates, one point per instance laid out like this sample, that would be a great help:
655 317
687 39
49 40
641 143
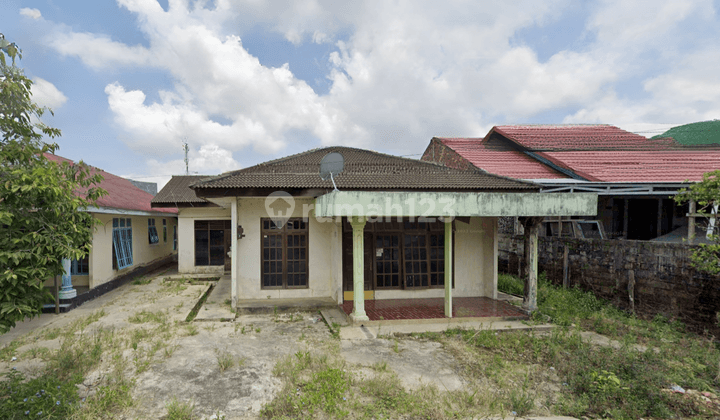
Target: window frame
302 263
164 230
80 267
402 228
209 226
122 250
153 237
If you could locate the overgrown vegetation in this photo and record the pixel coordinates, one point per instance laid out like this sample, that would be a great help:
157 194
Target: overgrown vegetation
631 379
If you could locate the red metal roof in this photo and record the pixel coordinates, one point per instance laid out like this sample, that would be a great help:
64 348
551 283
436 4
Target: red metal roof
595 152
580 137
640 166
122 194
510 163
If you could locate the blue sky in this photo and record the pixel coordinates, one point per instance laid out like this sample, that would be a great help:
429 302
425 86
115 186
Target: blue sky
246 81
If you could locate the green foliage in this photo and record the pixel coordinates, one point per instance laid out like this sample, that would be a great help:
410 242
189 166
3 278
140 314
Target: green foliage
622 380
43 397
180 410
40 200
706 257
510 284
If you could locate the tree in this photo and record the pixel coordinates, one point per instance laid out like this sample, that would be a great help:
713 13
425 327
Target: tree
41 201
706 257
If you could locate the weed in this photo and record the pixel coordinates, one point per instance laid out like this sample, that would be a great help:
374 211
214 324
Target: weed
225 360
141 317
177 410
46 396
142 281
191 329
257 330
381 366
396 347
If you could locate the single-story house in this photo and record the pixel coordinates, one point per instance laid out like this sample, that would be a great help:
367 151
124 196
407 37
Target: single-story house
394 228
633 176
131 235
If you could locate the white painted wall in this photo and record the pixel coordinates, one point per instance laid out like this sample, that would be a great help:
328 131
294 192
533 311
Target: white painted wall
186 237
144 253
100 258
324 255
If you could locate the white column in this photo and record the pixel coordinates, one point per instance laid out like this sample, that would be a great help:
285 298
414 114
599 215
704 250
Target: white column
358 227
448 268
234 253
67 291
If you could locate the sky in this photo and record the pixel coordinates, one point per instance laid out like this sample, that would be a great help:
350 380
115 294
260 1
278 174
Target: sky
246 81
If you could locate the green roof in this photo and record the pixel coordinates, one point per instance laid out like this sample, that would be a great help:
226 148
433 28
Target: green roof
704 132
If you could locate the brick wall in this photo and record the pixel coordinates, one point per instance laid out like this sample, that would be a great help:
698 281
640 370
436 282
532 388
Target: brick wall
664 281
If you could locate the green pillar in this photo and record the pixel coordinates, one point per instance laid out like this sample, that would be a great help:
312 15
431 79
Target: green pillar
358 227
448 268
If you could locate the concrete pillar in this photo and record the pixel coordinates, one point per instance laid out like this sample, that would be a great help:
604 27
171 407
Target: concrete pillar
532 230
67 291
448 268
233 253
691 222
358 227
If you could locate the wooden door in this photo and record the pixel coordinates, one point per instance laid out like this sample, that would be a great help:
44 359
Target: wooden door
347 244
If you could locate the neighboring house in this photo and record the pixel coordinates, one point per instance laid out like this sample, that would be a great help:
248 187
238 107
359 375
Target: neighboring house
286 233
131 235
633 176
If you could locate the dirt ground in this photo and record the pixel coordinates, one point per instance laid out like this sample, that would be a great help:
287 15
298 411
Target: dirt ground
172 360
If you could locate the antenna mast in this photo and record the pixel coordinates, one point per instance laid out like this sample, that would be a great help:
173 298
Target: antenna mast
185 149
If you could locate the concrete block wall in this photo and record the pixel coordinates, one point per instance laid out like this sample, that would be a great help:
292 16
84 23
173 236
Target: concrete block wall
657 275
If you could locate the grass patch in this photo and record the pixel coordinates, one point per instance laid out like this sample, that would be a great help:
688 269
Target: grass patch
193 313
142 281
594 381
180 410
510 284
142 317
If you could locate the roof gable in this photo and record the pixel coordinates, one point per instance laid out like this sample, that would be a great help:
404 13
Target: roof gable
177 192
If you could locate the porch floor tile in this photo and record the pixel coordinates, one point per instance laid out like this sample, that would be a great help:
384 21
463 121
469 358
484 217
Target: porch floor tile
433 308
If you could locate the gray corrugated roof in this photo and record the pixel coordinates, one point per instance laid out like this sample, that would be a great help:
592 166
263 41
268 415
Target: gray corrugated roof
364 169
178 191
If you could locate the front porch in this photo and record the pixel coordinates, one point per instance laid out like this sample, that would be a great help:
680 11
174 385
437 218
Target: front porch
434 309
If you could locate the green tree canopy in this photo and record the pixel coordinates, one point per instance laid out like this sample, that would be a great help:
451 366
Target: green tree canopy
706 257
41 201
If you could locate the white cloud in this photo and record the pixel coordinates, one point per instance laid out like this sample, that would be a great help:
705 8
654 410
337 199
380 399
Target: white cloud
100 52
46 94
400 73
31 13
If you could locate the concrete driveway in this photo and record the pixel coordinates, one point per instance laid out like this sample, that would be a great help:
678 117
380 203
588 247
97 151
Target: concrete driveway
170 359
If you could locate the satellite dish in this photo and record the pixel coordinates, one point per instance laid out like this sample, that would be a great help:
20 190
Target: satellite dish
331 166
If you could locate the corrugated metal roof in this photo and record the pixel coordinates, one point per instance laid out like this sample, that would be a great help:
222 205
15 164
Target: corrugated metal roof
601 153
178 191
364 169
122 194
698 133
640 166
510 163
580 137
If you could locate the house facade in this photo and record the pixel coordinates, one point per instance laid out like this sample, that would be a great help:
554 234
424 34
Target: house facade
394 228
634 177
130 235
